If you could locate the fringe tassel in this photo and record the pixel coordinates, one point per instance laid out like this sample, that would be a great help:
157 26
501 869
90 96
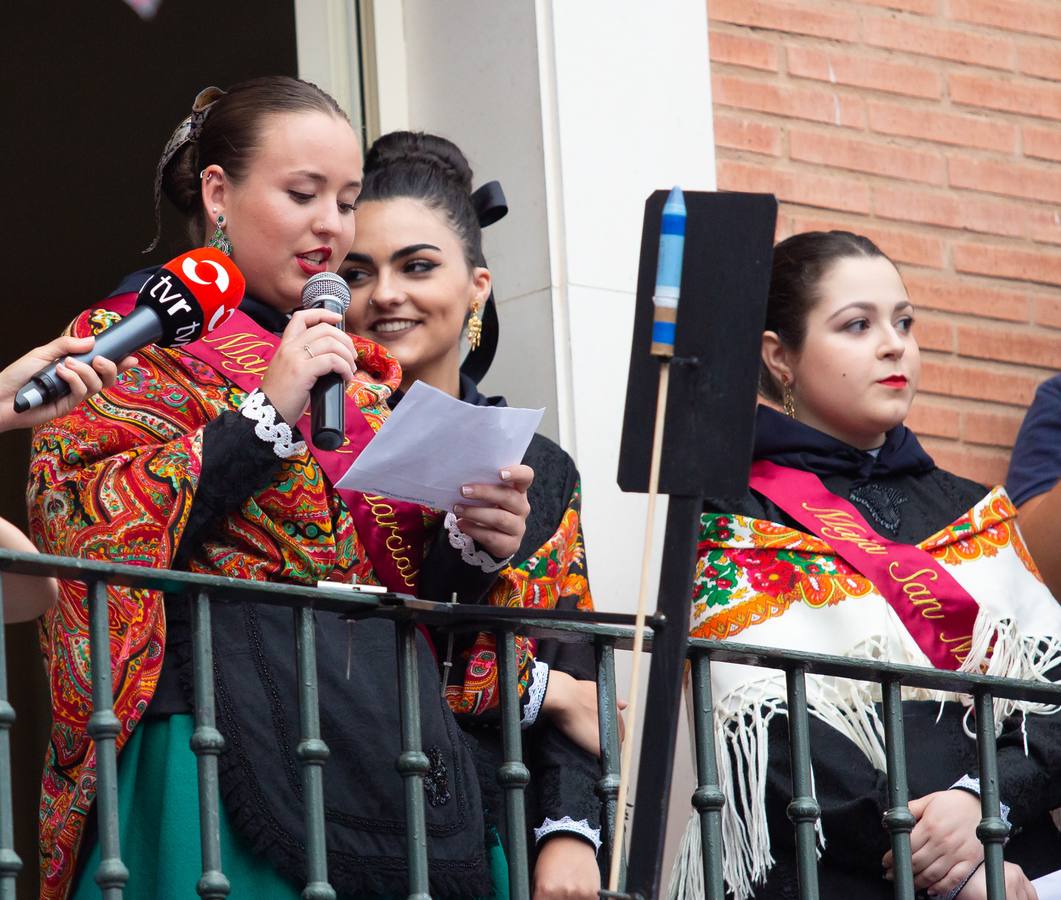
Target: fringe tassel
742 727
687 875
742 721
742 771
998 648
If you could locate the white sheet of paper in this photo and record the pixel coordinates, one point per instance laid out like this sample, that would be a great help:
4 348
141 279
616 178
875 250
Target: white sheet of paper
434 443
1049 886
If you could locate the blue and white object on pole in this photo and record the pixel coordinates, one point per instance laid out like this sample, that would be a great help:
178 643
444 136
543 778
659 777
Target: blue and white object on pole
668 274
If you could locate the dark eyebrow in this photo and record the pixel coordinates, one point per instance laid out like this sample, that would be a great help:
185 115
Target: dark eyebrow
320 179
365 259
411 249
866 307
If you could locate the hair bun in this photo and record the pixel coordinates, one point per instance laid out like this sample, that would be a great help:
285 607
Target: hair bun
412 148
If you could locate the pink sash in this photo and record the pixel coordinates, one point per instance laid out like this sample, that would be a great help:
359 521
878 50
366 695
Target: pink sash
392 532
937 611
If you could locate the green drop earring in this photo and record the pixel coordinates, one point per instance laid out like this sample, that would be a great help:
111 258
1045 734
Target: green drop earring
219 240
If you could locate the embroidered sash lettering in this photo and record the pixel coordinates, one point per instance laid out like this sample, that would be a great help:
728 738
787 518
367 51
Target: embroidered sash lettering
917 591
923 594
238 352
396 543
839 525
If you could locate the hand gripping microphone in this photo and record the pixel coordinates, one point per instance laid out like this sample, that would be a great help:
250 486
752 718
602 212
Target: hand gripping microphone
187 297
327 397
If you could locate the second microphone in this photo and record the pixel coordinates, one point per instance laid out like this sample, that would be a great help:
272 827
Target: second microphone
328 396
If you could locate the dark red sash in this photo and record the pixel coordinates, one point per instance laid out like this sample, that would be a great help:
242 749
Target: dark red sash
937 611
391 531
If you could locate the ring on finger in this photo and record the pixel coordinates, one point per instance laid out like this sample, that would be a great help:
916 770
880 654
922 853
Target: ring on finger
309 352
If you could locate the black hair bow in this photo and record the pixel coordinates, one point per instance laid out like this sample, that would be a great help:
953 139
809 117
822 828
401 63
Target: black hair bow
490 206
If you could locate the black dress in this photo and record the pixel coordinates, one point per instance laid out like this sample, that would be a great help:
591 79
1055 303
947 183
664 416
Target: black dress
563 776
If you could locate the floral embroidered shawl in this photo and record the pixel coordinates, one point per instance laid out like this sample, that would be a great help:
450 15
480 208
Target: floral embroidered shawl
768 584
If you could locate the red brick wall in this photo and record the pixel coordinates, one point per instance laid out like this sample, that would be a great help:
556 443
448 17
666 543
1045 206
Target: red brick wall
934 127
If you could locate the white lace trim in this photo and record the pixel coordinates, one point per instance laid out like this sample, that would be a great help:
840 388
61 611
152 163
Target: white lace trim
539 684
260 411
581 827
458 540
972 785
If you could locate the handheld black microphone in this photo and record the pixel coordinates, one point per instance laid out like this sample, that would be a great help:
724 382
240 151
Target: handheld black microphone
327 397
187 297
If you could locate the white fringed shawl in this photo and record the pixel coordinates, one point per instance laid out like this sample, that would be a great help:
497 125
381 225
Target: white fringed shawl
766 584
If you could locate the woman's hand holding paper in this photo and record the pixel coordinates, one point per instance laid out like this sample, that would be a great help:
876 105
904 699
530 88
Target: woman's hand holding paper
496 515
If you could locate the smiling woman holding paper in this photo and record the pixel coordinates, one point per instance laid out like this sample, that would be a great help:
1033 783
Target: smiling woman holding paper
417 280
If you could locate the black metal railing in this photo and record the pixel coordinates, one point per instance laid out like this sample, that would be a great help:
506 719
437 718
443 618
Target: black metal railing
606 631
803 809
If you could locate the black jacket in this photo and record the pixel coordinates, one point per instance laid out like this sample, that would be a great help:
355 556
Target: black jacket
257 691
563 776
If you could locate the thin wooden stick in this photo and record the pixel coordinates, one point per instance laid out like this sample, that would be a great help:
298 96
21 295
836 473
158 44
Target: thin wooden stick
639 627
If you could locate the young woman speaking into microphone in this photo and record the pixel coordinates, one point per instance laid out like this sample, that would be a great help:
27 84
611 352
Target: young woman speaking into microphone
194 460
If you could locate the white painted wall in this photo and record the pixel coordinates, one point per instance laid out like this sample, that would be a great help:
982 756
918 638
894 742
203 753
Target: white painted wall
392 85
472 74
325 40
633 115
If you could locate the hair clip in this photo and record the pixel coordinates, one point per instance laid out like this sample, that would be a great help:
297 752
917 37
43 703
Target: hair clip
188 130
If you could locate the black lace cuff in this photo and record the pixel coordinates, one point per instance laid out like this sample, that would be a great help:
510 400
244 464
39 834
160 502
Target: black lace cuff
565 779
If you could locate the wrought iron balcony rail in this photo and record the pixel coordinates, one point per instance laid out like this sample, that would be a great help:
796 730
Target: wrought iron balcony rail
607 631
803 809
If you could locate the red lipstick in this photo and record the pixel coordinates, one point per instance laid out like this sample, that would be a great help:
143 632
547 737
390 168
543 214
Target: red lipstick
894 381
317 264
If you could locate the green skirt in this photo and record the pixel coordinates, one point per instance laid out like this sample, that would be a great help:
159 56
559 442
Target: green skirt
158 805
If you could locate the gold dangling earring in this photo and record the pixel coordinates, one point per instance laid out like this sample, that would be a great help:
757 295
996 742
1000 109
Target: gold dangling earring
788 401
219 240
475 327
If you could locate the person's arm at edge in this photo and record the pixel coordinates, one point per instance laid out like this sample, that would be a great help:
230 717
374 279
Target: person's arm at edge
25 596
83 379
1040 525
28 596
